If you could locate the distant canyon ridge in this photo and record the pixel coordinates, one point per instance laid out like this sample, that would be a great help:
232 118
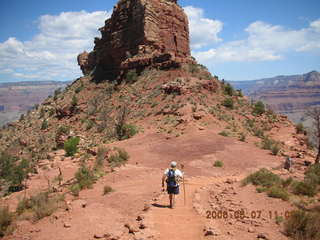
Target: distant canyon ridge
287 95
18 97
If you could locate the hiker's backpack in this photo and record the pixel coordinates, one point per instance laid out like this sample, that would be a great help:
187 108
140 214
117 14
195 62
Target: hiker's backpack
171 178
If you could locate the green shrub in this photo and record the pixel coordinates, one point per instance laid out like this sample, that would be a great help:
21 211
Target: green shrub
225 133
79 89
258 108
261 189
75 189
13 171
193 68
278 192
107 189
242 137
303 225
101 155
313 173
23 204
71 146
118 158
5 220
228 103
74 101
279 220
89 124
228 89
44 124
85 177
56 93
268 143
131 76
263 177
42 205
300 129
63 130
275 149
258 132
286 183
218 163
306 188
128 131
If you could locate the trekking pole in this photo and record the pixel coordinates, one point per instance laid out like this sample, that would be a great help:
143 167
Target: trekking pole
184 186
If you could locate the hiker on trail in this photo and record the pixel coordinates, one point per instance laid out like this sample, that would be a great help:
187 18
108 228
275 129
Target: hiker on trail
288 163
172 176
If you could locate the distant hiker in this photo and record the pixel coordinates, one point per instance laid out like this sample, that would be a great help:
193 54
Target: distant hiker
172 176
288 163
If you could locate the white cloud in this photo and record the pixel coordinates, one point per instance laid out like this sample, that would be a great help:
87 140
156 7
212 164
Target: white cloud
265 42
203 31
51 54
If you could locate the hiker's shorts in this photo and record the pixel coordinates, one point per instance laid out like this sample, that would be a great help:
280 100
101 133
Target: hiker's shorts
173 190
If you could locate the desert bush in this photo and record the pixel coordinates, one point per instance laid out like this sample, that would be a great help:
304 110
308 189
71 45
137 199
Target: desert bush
63 130
56 93
240 94
287 182
228 103
52 111
41 204
258 132
261 189
74 101
128 131
71 146
225 133
5 220
279 220
107 189
258 108
270 144
313 173
89 124
303 225
13 171
228 89
118 158
263 177
242 137
306 187
300 129
85 177
278 192
44 124
79 89
131 76
75 189
218 163
275 149
193 68
101 154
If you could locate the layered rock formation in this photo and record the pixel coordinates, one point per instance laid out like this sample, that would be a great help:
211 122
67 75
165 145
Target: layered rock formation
139 34
289 95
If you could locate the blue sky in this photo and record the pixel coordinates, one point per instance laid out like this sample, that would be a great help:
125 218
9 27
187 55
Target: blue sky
236 39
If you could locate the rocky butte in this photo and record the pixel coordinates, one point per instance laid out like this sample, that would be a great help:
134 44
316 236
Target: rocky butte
139 34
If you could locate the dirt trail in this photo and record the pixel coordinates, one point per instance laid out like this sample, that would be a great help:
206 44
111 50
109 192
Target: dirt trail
183 222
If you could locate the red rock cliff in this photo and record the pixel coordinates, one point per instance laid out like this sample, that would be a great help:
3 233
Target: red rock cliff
139 34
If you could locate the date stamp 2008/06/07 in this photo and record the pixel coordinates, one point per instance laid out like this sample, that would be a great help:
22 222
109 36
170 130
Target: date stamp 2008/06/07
242 214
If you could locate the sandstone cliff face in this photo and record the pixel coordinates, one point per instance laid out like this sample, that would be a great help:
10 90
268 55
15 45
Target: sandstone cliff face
140 33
